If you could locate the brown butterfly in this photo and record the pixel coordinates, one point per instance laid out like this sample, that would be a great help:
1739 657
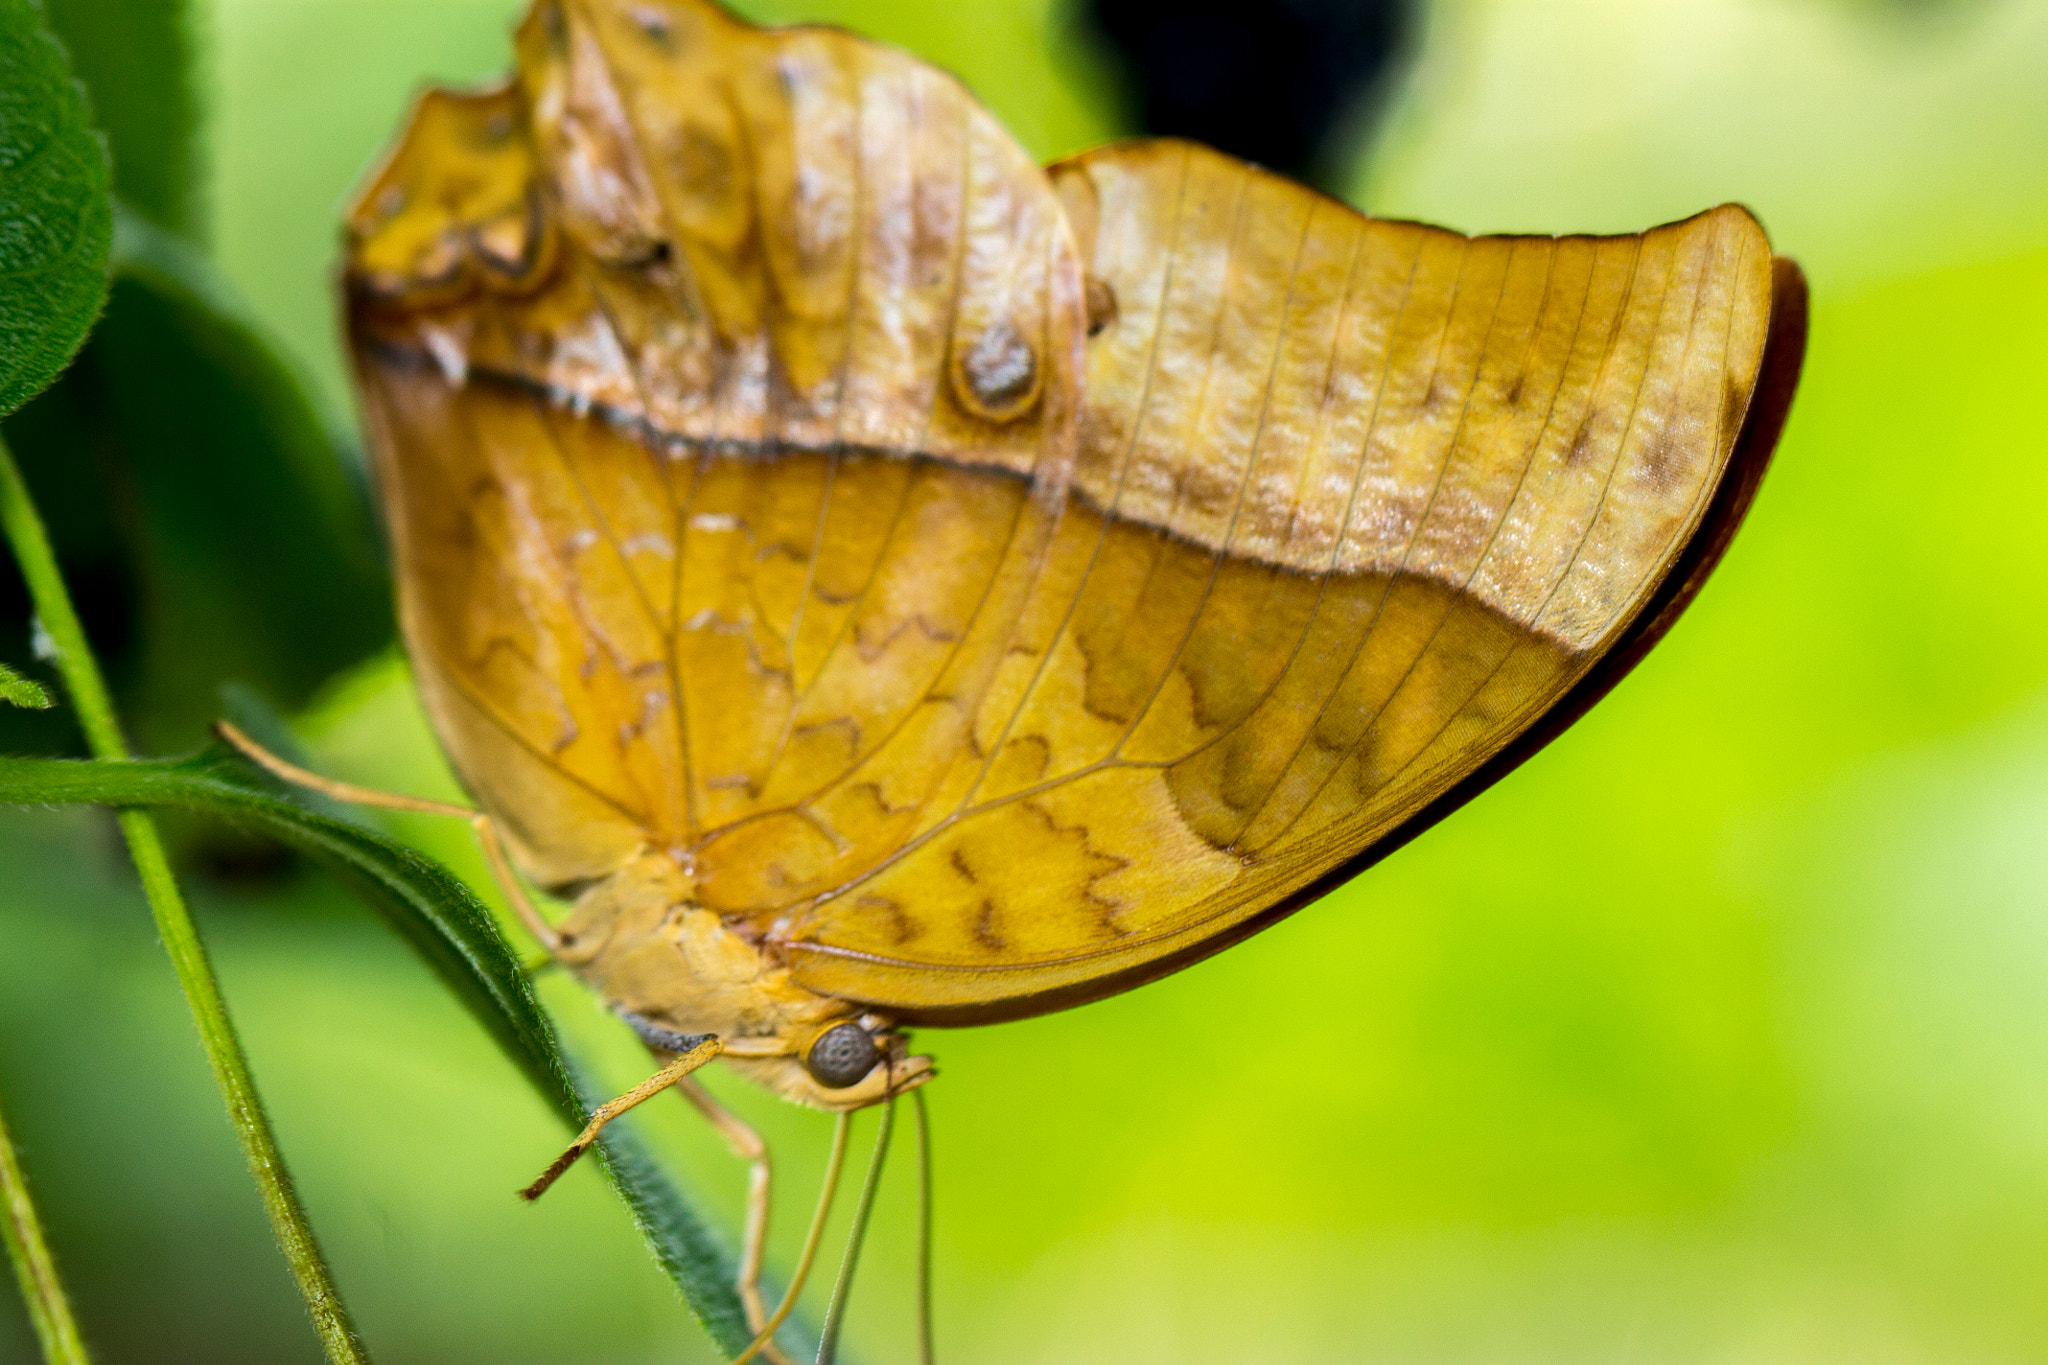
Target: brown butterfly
882 581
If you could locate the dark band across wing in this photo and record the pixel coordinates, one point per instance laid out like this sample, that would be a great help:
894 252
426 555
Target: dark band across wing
985 582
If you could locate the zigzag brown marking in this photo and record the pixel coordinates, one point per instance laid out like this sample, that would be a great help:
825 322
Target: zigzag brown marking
989 581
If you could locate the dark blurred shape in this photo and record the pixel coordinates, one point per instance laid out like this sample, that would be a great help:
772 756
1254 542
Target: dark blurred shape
137 58
1283 83
208 516
204 512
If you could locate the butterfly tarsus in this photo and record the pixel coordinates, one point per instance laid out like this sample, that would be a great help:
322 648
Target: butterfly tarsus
683 1064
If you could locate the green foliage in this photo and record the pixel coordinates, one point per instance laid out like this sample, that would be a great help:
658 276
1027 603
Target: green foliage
442 920
21 1234
193 470
263 567
55 221
136 57
16 690
1715 1032
65 644
206 511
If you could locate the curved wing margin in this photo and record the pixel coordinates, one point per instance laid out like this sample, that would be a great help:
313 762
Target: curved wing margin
1363 514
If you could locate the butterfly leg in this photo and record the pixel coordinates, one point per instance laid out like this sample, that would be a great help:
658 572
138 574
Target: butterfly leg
350 794
842 1128
684 1063
747 1145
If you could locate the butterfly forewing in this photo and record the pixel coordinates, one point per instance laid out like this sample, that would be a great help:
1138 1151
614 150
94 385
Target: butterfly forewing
987 582
687 527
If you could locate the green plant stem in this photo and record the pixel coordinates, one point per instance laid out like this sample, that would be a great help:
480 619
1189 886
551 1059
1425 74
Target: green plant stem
48 1308
444 922
87 689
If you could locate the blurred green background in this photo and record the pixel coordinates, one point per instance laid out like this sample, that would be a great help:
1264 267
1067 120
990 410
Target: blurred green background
1717 1033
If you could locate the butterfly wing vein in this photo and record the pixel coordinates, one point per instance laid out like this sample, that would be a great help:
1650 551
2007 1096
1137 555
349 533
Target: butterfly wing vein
983 579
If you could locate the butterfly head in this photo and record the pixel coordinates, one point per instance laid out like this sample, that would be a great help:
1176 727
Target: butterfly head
848 1062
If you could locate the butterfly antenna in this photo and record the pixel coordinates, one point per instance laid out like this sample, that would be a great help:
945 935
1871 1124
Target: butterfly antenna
833 1165
924 1229
704 1050
828 1339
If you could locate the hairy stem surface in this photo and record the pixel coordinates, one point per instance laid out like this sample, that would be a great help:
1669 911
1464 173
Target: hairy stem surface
48 1308
88 692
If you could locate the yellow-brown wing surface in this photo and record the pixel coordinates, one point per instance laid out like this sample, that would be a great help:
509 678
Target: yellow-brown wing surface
724 383
1356 505
998 586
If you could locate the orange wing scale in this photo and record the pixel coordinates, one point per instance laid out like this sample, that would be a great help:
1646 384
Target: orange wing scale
995 586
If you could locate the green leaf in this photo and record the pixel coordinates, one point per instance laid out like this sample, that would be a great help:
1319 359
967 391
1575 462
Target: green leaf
456 935
137 57
210 518
25 692
55 219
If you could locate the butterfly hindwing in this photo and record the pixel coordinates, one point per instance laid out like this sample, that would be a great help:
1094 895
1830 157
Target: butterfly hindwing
992 584
1356 504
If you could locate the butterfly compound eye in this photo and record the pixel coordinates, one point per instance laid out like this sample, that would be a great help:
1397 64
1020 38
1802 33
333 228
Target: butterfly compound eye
842 1055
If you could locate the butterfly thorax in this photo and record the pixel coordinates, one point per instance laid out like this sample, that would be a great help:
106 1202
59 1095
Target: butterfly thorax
673 968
